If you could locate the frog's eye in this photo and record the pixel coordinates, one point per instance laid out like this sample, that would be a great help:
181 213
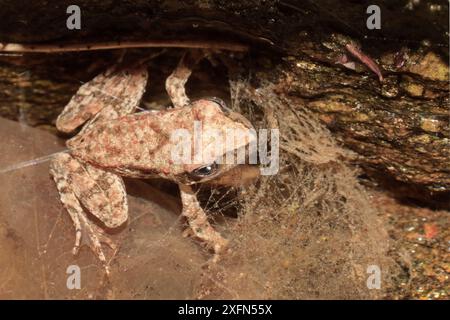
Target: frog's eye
205 171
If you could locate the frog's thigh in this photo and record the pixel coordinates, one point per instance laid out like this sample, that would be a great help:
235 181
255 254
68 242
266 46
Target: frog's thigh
102 193
198 220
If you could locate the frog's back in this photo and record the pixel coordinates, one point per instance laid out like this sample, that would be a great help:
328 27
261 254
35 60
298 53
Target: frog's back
133 145
140 145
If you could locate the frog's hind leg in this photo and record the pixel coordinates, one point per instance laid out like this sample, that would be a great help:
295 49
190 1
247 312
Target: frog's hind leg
198 221
119 88
175 83
102 193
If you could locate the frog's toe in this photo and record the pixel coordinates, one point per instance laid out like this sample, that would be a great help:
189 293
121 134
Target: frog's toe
93 236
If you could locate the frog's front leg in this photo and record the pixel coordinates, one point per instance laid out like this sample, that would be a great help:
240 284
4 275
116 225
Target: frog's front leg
175 83
198 221
101 193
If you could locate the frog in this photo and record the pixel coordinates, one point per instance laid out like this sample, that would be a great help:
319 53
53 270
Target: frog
116 141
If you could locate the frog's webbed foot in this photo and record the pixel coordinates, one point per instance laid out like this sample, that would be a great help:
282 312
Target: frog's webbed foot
101 193
198 222
175 83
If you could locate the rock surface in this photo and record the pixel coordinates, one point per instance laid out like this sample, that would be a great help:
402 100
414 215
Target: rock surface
36 235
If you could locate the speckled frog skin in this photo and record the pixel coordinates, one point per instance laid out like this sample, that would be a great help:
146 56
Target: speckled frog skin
115 141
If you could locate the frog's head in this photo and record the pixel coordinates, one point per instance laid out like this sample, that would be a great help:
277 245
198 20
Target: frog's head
222 147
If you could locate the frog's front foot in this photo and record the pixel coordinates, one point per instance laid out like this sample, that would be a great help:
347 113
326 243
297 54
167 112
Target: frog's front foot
175 83
198 222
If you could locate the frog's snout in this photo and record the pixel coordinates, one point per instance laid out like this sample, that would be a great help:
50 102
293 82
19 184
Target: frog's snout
223 106
235 116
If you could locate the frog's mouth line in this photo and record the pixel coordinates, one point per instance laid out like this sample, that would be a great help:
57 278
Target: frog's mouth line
240 175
